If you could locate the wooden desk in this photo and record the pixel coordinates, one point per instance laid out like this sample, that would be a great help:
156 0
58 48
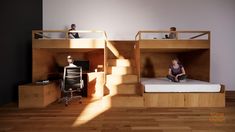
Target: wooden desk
38 95
95 85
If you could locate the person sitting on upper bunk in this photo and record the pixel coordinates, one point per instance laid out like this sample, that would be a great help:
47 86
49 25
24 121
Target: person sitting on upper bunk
172 35
73 35
176 71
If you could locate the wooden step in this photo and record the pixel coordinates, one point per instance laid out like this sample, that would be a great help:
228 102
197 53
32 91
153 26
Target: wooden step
131 100
122 89
121 79
121 70
120 62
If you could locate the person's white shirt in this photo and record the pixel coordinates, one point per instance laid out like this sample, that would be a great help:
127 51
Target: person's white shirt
71 65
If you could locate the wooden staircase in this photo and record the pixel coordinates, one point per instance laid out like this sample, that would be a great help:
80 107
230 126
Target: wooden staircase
122 83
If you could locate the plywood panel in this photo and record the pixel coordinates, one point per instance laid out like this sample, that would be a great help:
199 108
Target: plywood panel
205 100
95 85
185 99
125 100
163 100
120 49
35 96
43 64
69 43
197 64
174 44
154 64
96 59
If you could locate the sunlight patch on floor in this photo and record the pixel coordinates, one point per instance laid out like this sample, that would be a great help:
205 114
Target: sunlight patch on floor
92 110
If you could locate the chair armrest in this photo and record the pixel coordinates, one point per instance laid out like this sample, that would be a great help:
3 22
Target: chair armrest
62 85
81 84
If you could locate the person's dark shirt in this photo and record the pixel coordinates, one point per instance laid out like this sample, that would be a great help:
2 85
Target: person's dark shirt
75 35
176 71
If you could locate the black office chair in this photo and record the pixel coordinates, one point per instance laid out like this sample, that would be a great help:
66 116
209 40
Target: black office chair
71 84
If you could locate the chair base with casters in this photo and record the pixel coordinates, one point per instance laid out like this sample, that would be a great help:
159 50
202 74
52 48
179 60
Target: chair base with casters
71 85
70 97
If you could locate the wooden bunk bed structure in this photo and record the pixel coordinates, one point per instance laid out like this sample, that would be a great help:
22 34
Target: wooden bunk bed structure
121 65
51 47
193 49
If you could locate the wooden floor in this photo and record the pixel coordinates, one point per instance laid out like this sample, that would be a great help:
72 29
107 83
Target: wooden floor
96 116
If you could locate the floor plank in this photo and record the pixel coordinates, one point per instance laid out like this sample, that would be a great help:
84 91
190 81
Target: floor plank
95 116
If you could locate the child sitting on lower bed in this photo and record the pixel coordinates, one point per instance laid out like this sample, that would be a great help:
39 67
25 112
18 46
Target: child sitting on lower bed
176 71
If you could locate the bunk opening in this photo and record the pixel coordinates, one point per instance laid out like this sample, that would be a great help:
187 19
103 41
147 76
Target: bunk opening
49 63
155 64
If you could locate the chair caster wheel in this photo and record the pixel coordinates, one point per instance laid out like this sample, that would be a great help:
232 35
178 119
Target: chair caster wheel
66 104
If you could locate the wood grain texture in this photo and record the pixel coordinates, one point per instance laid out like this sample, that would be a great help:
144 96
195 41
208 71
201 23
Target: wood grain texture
43 64
47 61
96 60
120 49
197 64
154 64
95 85
174 44
84 118
137 60
185 99
69 43
37 95
163 100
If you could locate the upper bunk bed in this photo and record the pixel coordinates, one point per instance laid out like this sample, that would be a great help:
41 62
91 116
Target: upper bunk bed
185 40
59 39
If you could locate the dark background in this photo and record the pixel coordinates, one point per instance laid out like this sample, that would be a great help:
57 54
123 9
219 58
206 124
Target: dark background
18 19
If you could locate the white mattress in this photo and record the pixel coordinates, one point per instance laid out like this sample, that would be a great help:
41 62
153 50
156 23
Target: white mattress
189 85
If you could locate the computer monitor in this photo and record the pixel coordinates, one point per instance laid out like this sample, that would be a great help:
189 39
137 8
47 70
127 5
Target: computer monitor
83 63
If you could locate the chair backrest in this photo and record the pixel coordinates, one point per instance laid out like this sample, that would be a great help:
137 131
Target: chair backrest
73 78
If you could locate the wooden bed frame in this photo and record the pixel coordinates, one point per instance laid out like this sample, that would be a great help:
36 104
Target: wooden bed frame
194 51
192 99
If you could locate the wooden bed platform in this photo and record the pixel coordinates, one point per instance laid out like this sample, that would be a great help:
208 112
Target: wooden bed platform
53 39
178 43
171 99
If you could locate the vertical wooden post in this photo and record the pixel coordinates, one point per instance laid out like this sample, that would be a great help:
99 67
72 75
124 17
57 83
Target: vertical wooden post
177 35
66 34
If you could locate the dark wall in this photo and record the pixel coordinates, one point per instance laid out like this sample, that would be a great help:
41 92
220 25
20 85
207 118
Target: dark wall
18 18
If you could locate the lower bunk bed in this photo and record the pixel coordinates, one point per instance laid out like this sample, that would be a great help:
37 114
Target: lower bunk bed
160 92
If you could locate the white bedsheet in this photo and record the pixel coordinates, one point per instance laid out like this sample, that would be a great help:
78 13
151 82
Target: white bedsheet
164 85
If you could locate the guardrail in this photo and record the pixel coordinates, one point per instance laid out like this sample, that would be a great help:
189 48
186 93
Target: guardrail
64 34
179 35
